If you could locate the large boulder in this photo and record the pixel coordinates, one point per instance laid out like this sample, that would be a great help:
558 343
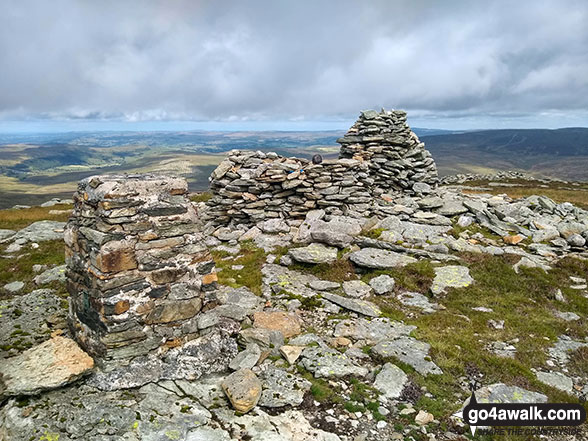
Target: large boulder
52 364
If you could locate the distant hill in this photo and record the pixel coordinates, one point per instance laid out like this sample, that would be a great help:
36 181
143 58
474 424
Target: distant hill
561 153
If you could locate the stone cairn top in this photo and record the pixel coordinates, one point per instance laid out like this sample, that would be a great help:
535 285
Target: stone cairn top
138 274
379 154
397 158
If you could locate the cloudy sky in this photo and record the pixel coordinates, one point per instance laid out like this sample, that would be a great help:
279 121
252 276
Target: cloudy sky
79 64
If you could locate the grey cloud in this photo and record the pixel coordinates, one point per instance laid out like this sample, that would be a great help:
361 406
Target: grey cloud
142 60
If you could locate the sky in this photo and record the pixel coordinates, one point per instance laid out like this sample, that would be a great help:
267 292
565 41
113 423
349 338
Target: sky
290 65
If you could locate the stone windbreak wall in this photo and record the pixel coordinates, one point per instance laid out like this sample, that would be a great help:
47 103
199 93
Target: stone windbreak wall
137 269
379 154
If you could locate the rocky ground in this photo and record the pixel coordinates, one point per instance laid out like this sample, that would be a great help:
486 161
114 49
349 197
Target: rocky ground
351 328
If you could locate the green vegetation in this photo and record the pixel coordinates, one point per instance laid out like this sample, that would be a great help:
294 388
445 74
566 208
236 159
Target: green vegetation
205 196
338 271
21 268
458 335
252 259
16 219
417 276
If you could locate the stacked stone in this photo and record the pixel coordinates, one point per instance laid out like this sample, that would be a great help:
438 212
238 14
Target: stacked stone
397 159
252 186
137 269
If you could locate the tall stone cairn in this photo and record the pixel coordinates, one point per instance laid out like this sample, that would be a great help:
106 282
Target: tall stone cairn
397 159
137 270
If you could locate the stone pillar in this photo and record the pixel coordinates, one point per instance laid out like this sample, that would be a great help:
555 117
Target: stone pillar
137 270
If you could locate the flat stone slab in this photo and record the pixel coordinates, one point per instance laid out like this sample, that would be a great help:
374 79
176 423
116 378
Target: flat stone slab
41 231
382 284
502 393
390 381
452 276
372 331
314 253
356 288
410 351
360 306
56 274
379 259
330 363
562 348
28 320
50 365
557 380
417 300
281 388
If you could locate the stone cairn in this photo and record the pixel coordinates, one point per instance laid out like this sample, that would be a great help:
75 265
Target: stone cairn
379 155
137 270
397 159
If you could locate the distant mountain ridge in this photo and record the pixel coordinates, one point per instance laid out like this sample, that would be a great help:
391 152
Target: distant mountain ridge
561 153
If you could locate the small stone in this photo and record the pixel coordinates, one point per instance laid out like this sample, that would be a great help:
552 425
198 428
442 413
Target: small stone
323 285
286 322
291 353
382 284
496 324
243 389
450 277
360 306
391 381
246 359
356 288
465 221
423 418
513 240
567 316
575 240
314 253
559 296
14 287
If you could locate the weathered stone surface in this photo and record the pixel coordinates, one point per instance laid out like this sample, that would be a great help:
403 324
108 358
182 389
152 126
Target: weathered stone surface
330 363
56 274
14 287
246 359
40 231
291 353
417 300
452 276
410 351
390 381
243 389
372 331
267 339
204 355
285 322
360 306
356 288
28 319
379 259
557 380
382 284
502 393
281 388
314 253
50 365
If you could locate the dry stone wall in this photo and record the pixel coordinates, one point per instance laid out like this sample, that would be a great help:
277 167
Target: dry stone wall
379 154
137 269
